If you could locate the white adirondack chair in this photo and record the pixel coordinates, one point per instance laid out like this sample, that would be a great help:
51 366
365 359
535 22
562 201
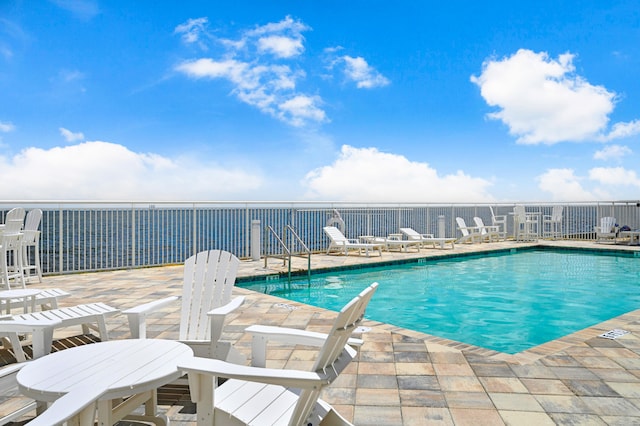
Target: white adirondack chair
267 396
13 405
469 233
31 244
488 232
209 277
11 254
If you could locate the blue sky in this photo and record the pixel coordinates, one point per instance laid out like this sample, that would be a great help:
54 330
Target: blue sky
299 100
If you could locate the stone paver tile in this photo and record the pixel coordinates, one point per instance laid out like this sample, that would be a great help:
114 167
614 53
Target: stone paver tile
560 361
612 406
563 404
626 390
493 370
620 421
590 388
535 371
577 373
418 382
546 386
369 356
503 384
414 368
375 415
597 362
526 418
415 356
579 420
453 370
378 397
468 400
460 384
420 416
447 358
422 398
375 381
615 375
382 368
339 395
515 402
475 417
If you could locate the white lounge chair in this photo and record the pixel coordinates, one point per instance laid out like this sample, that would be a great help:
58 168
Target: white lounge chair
607 231
46 299
469 233
341 243
393 243
414 235
488 232
266 396
209 277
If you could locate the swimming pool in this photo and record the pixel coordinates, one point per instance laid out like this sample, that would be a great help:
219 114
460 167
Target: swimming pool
508 302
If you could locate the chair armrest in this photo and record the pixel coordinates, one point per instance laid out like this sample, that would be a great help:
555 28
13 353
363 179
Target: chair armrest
262 334
217 368
137 316
79 402
218 315
19 325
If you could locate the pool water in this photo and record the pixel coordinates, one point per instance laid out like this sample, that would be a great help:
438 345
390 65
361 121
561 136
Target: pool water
508 302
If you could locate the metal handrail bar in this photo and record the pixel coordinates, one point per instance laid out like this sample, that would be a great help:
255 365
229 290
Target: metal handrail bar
284 256
307 252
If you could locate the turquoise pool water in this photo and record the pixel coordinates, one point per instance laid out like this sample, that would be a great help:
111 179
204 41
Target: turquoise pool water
508 302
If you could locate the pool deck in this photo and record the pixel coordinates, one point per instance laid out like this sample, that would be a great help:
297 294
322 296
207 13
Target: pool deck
402 377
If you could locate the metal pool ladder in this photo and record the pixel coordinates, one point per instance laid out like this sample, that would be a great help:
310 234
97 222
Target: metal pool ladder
295 242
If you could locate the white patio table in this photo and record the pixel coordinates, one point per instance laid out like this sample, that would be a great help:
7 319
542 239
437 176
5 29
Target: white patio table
104 372
26 295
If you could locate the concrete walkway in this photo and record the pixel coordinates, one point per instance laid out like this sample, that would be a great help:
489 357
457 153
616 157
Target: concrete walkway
404 377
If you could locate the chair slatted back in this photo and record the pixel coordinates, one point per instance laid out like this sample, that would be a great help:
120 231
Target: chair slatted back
607 224
462 225
209 277
16 213
411 233
556 213
335 355
335 234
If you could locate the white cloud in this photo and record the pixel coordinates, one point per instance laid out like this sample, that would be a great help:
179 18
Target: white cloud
280 46
106 171
359 71
366 174
623 130
193 30
6 127
563 185
616 176
70 136
301 109
615 152
541 100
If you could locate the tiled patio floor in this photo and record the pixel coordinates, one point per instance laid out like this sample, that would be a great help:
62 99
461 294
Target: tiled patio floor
403 377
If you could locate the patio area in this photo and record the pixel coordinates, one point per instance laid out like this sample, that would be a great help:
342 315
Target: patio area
402 377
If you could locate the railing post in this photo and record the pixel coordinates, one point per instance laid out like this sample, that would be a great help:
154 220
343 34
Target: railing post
441 226
255 240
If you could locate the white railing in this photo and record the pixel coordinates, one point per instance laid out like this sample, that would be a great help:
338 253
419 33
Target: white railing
90 236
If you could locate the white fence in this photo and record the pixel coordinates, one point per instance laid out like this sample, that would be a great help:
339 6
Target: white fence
92 236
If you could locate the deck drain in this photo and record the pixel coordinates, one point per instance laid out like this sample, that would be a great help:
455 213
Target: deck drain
286 306
614 334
